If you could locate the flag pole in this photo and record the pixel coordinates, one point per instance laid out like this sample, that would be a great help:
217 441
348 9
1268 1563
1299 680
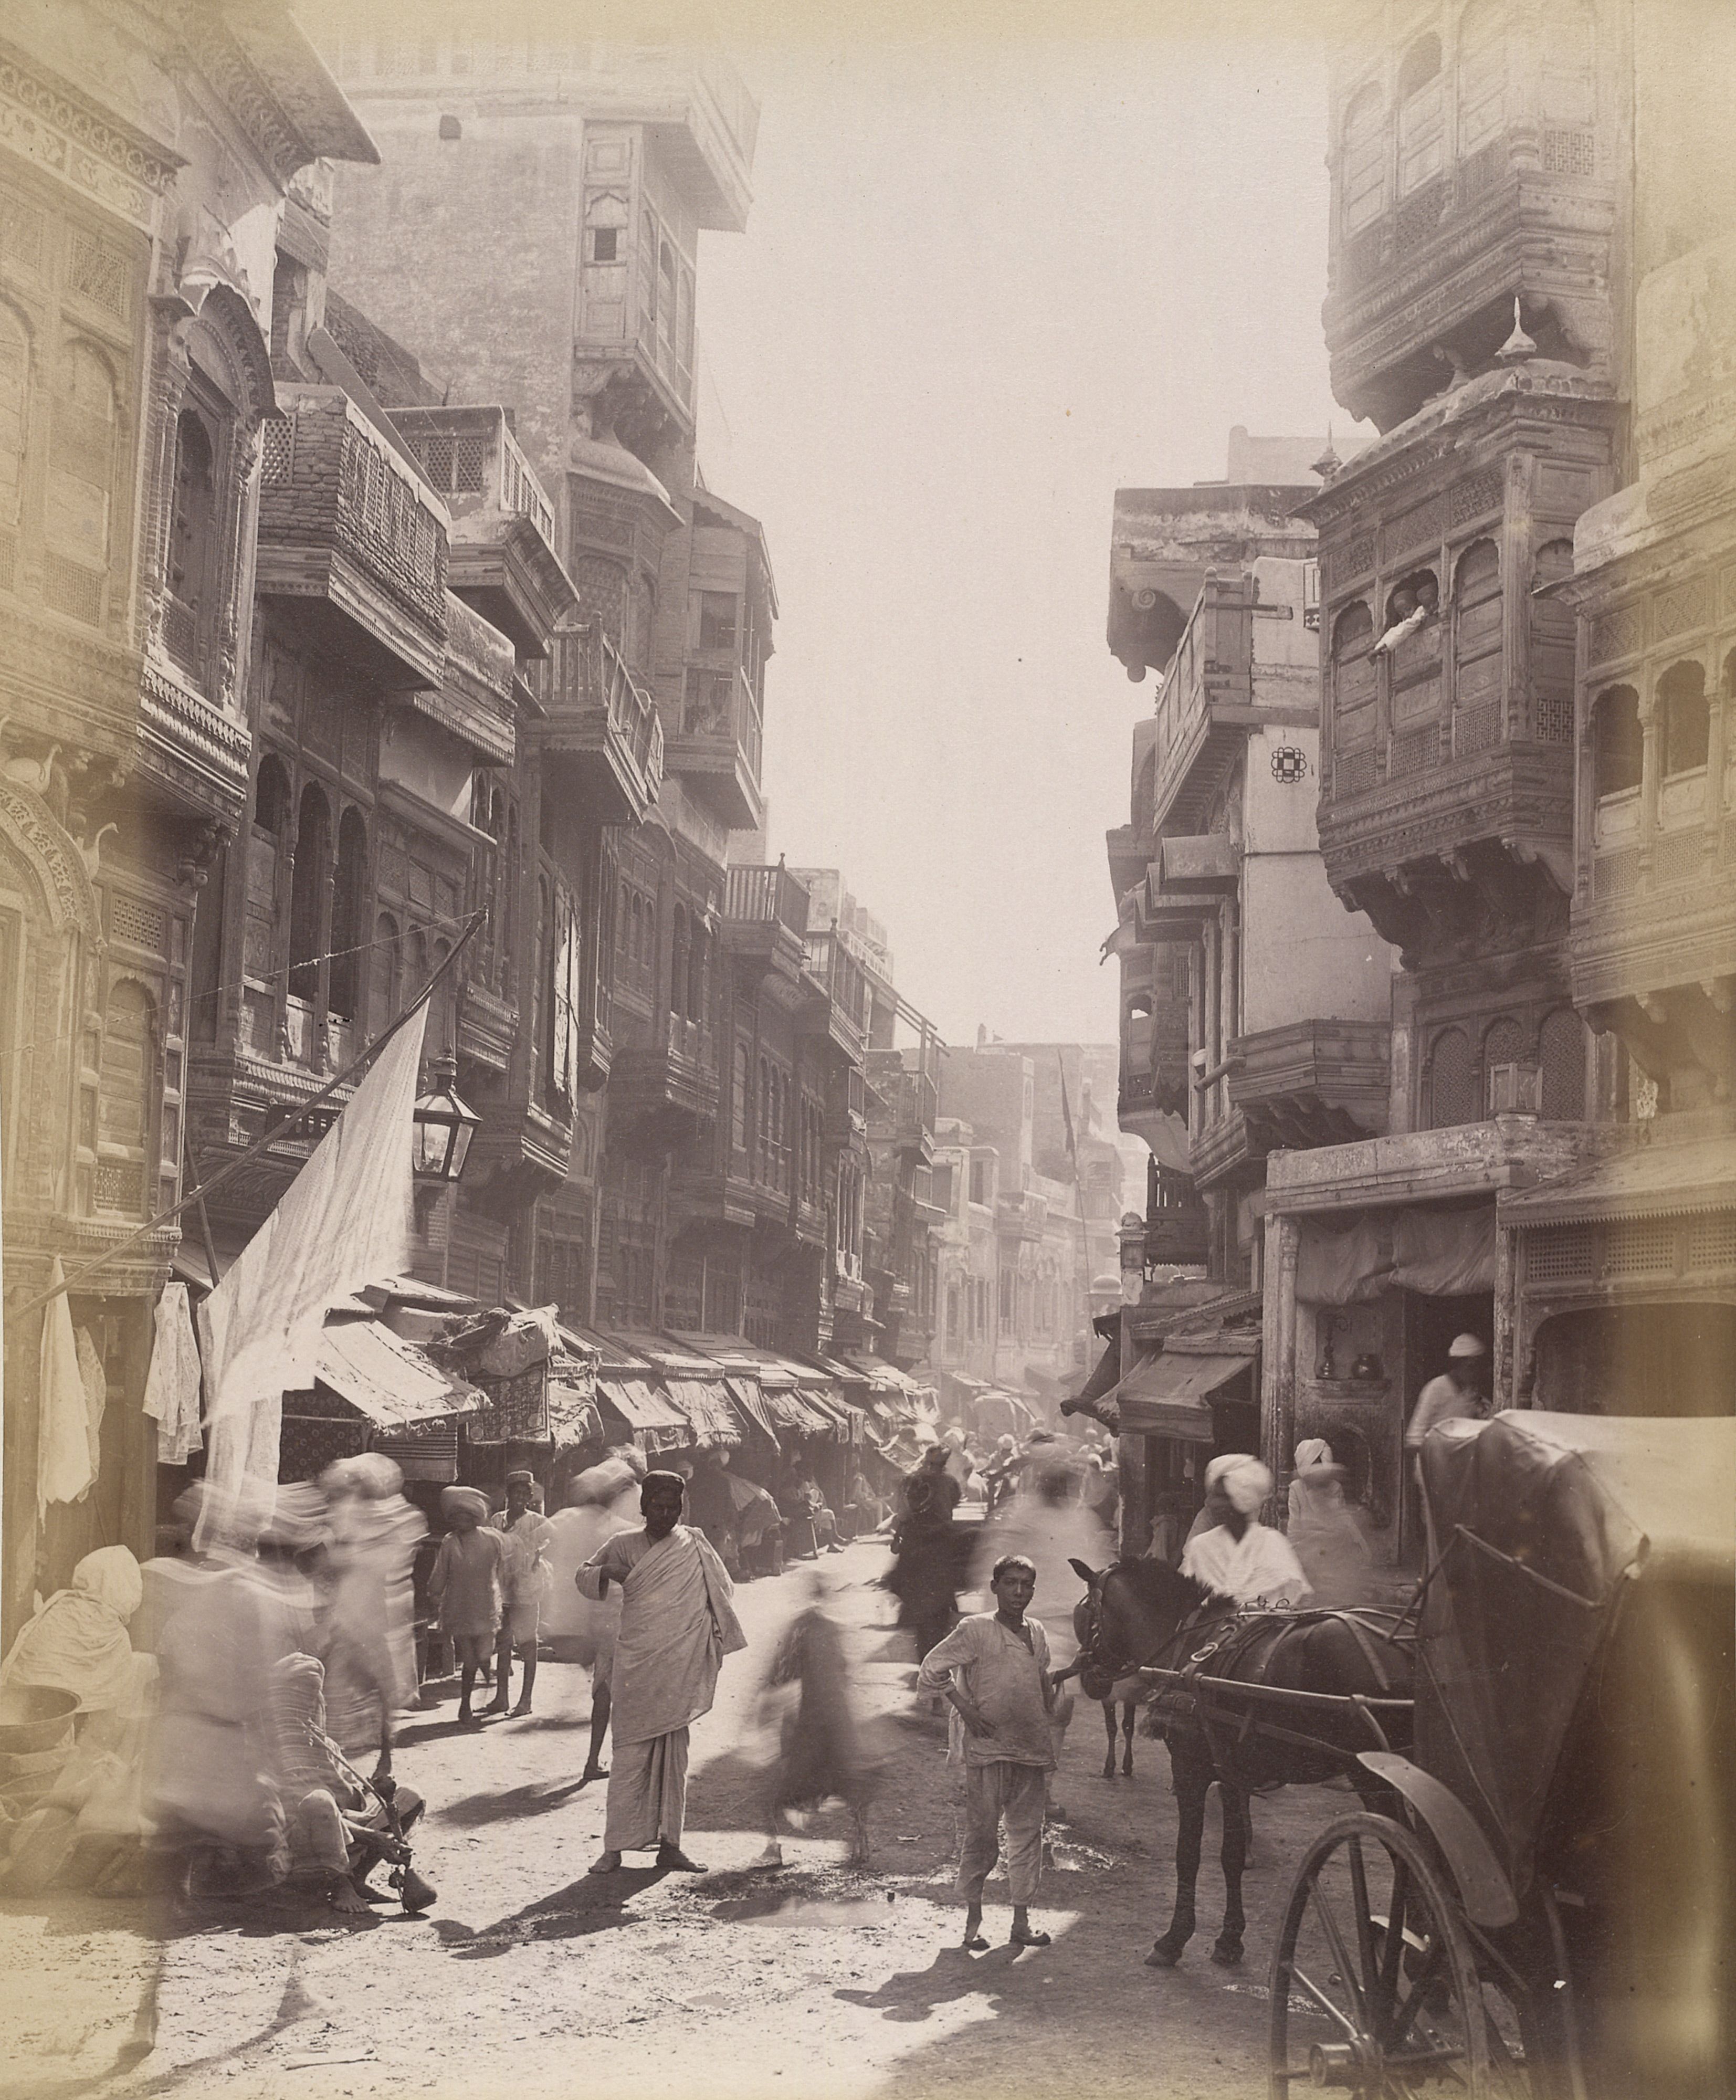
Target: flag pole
274 1135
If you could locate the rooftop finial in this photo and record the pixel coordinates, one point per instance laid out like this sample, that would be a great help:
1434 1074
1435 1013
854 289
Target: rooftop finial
1329 462
1518 346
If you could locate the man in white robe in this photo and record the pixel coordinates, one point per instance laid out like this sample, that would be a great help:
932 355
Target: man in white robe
1237 1556
678 1624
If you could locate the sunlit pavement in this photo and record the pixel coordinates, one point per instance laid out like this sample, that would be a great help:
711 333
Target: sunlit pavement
529 1974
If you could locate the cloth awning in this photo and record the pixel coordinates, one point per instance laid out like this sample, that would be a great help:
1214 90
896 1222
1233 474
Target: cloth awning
706 1405
1442 1253
1167 1396
1661 1180
1103 1381
389 1381
650 1420
574 1416
746 1393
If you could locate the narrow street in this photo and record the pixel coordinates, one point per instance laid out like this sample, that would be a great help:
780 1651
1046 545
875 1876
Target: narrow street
738 1982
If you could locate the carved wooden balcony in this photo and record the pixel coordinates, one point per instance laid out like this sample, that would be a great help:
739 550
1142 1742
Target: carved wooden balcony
766 920
672 1079
717 752
600 729
1311 1083
347 525
839 1006
502 556
1530 212
908 1104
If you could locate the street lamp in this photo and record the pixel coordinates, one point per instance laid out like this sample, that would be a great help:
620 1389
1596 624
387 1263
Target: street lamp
444 1127
1131 1236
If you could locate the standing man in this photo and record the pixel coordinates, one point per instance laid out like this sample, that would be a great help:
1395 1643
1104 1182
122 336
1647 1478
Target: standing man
677 1626
1236 1555
1458 1393
993 1669
524 1582
466 1585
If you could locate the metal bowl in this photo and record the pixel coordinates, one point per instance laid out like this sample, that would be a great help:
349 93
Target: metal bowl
35 1717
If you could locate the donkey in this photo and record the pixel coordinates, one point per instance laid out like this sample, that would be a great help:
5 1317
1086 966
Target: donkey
1146 1614
1129 1695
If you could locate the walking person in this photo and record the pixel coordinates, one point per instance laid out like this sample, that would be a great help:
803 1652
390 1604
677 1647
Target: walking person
1234 1553
524 1583
678 1624
466 1586
927 1550
993 1668
604 1499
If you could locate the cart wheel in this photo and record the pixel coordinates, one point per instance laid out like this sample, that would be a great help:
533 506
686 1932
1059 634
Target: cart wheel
1375 1988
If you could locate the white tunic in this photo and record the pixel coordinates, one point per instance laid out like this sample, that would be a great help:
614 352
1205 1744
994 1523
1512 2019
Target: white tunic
1259 1567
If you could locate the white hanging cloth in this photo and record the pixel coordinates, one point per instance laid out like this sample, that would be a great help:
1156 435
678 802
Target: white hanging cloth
171 1393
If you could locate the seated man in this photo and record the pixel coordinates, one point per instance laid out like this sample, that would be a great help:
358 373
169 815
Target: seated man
336 1826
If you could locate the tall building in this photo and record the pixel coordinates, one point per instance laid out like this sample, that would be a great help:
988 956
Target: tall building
1529 214
145 169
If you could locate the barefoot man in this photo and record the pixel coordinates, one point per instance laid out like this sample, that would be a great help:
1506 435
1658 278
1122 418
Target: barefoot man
677 1626
993 1668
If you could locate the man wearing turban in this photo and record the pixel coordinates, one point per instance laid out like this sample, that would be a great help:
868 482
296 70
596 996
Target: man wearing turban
678 1624
466 1584
1238 1556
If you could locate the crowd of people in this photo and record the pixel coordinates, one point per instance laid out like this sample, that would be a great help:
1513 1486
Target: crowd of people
236 1698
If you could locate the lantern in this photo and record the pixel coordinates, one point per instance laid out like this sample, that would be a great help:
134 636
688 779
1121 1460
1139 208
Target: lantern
444 1127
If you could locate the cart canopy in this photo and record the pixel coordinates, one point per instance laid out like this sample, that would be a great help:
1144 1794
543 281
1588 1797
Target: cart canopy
1539 1525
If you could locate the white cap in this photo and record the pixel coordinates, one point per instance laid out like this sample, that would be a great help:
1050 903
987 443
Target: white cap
1466 1345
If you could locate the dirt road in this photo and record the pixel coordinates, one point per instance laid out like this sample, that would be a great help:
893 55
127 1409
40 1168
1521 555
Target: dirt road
527 1975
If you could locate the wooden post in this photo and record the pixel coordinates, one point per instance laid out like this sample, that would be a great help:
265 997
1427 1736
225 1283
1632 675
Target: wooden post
1278 1350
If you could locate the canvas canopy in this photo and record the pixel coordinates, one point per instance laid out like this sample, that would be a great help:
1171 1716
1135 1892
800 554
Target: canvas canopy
1542 1529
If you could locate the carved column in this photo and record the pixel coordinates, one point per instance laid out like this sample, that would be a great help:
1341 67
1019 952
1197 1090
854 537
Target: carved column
1711 802
170 369
1278 1350
1648 775
1504 1375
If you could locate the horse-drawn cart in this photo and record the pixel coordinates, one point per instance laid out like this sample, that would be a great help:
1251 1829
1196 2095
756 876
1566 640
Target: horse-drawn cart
1542 1904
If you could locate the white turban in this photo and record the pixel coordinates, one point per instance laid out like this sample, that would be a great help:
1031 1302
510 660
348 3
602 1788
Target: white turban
1312 1451
1245 1480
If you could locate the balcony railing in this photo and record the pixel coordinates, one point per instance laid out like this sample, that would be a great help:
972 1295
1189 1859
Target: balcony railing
599 713
767 897
343 518
473 462
831 966
1204 708
717 750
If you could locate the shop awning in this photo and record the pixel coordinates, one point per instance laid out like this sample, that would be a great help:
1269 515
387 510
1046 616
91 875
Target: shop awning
706 1405
574 1416
745 1392
651 1419
390 1382
1661 1180
1102 1382
1167 1396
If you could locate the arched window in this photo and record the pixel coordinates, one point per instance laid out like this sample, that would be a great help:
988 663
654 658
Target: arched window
1363 177
666 316
1421 115
1683 718
1561 1052
1353 688
1452 1087
1482 74
307 893
1618 746
191 536
349 907
678 962
762 1128
15 401
635 944
622 926
742 1088
1503 1043
1551 646
697 955
124 1116
271 798
81 481
1477 648
383 965
648 953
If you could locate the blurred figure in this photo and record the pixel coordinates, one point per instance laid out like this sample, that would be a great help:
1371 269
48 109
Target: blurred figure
865 1510
1236 1555
367 1644
821 1757
1324 1532
1001 1474
958 1461
928 1552
605 1500
77 1642
710 1505
335 1826
932 1469
758 1525
1101 1493
466 1585
524 1580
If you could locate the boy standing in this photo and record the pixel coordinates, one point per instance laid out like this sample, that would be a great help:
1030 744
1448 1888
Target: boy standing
524 1580
993 1669
465 1586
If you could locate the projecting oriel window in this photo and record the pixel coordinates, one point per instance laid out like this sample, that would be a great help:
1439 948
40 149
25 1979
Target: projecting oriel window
717 619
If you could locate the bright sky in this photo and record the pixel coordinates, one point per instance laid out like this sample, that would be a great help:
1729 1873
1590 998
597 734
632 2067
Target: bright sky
983 284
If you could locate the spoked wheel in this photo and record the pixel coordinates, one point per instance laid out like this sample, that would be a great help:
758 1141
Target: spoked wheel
1375 1988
